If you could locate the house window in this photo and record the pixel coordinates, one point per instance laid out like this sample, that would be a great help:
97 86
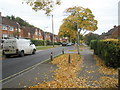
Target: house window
19 30
40 33
4 27
36 33
4 36
29 33
11 35
11 29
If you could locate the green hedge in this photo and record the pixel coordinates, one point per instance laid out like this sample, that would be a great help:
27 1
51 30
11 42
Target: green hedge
38 42
108 50
41 42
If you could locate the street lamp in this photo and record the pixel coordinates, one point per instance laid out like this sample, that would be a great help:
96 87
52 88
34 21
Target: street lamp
52 31
18 28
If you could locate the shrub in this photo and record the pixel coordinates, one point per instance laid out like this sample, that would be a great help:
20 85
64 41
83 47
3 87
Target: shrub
108 50
38 42
41 42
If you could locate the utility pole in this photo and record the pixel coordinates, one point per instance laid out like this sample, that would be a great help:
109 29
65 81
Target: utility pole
52 31
18 29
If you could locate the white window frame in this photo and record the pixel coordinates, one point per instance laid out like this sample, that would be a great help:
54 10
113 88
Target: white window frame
11 28
29 33
36 33
19 30
4 36
4 27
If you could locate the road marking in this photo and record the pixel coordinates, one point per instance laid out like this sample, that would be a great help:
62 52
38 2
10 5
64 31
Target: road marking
29 68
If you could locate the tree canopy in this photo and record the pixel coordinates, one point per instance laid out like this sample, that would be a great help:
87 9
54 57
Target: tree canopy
45 5
78 19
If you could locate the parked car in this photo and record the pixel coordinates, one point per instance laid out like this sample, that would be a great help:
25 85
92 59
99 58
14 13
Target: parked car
18 47
64 44
70 44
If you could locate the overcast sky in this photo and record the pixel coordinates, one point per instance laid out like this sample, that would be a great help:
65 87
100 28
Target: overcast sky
105 11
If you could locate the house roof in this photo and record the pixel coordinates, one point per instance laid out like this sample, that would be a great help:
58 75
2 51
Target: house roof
109 33
6 21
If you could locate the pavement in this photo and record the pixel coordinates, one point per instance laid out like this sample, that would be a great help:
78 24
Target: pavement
89 69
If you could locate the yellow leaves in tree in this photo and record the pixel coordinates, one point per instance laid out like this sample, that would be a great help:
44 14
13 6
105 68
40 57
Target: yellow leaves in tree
80 17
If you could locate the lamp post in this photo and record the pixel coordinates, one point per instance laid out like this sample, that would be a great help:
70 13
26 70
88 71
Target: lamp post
18 28
52 31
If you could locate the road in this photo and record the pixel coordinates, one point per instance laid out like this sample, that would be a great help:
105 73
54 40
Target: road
16 64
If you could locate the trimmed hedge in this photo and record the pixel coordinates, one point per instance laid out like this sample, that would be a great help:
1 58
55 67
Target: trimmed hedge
41 42
108 50
38 42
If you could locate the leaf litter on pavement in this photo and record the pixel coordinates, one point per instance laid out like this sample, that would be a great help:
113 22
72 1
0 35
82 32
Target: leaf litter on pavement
66 75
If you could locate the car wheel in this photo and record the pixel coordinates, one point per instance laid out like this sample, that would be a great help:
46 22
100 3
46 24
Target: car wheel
34 51
21 54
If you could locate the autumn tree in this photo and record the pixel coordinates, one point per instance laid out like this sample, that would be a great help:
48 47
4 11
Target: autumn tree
45 5
67 30
78 19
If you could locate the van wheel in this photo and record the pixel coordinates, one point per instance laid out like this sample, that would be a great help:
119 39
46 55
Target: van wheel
7 56
34 51
21 54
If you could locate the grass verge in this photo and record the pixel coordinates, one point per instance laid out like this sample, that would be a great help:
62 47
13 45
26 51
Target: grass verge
45 47
75 50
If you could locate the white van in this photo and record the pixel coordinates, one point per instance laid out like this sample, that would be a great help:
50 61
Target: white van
18 47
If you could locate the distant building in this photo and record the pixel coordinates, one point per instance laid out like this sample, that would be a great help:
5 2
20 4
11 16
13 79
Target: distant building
113 33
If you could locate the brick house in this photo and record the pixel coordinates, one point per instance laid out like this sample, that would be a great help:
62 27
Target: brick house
9 28
32 32
48 36
112 33
56 38
27 32
38 34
